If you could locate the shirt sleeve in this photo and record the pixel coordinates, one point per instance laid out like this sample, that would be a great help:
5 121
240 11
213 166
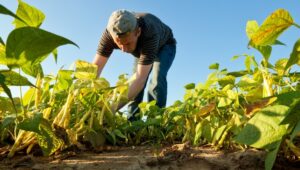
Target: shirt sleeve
106 44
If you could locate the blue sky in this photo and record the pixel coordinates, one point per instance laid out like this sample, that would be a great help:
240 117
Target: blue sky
207 32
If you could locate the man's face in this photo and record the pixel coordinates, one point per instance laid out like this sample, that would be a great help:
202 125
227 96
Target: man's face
128 42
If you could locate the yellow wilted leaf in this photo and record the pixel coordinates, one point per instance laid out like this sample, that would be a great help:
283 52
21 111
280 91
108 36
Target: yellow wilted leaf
254 107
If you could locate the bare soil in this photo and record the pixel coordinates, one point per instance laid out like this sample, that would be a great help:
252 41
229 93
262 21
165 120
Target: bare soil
179 156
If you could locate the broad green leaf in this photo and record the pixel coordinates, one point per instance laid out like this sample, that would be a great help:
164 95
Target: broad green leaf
28 44
31 124
46 137
85 70
31 15
226 80
64 80
271 28
5 11
264 130
294 56
271 156
214 66
14 79
33 69
118 133
189 86
291 99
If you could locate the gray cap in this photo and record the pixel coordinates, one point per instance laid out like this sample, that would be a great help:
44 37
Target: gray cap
121 22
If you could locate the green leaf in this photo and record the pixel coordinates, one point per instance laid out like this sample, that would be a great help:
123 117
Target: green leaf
226 80
29 96
251 28
214 66
189 86
31 15
64 80
271 156
54 52
6 11
28 44
14 79
264 130
6 90
224 101
2 54
238 73
85 70
8 120
47 140
271 28
1 41
295 131
294 56
280 66
33 69
32 123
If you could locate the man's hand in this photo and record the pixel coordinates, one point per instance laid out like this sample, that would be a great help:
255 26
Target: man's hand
140 80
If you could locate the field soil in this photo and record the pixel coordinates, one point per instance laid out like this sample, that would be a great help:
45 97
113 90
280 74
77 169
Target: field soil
178 156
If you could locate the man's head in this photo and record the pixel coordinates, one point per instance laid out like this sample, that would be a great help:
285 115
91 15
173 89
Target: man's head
123 27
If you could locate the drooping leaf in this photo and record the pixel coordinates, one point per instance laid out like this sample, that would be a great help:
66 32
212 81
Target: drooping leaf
271 28
14 79
263 130
6 90
5 11
28 44
85 70
254 107
31 15
294 56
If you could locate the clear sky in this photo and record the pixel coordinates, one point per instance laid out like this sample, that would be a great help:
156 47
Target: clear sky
207 32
